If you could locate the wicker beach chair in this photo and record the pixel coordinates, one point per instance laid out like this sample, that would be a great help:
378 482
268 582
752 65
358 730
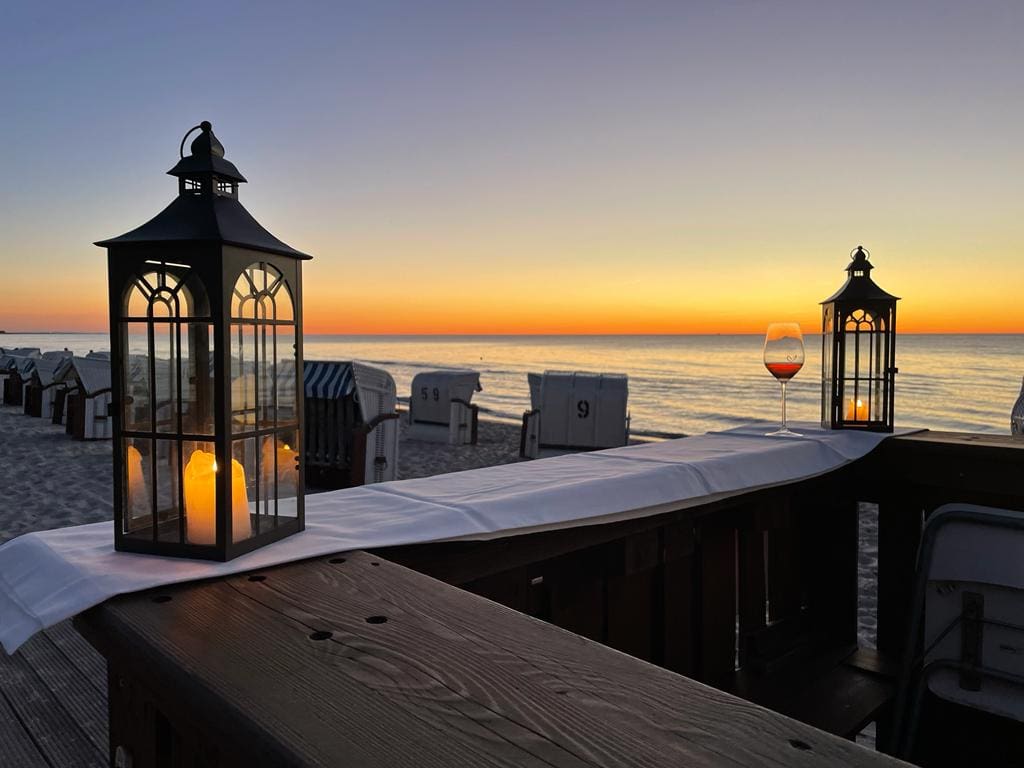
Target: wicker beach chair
968 617
351 425
15 370
43 384
87 400
440 409
575 411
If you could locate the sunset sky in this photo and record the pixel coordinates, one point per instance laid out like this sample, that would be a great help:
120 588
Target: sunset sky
534 167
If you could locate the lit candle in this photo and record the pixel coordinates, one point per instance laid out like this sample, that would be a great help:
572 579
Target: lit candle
856 410
138 499
287 462
201 499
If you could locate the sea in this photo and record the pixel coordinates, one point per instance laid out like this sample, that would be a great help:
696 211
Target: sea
681 385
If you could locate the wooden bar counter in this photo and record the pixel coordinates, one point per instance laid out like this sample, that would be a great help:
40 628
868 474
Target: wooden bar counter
356 661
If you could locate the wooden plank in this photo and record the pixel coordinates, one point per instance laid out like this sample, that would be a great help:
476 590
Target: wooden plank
631 613
717 552
275 696
435 677
752 595
17 748
980 469
829 545
900 521
55 733
828 690
870 660
68 685
678 583
80 654
578 605
784 584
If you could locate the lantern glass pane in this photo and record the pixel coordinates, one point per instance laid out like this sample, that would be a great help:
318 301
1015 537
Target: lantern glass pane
287 454
266 307
162 306
199 489
197 360
168 278
266 389
242 304
165 369
287 403
246 495
168 479
138 486
243 376
192 298
283 302
137 415
138 301
272 454
150 281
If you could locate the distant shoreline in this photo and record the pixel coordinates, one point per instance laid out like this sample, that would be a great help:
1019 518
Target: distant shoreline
530 335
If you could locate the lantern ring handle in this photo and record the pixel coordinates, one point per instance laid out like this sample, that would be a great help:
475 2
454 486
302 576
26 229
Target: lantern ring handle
181 149
867 253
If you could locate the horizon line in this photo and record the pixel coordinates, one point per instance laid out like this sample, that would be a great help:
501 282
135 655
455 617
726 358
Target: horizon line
552 333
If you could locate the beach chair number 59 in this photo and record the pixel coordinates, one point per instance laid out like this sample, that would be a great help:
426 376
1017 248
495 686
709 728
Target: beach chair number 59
424 394
582 409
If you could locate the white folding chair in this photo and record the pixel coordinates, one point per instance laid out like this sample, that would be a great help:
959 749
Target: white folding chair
968 611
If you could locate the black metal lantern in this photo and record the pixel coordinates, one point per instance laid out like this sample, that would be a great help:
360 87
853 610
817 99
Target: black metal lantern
206 357
858 352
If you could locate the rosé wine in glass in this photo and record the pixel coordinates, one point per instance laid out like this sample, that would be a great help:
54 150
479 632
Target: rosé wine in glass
783 357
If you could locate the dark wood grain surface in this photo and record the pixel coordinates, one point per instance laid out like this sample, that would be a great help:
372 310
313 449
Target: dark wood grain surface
357 661
53 709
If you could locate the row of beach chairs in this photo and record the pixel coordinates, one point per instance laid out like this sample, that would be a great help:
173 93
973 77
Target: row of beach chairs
351 411
64 388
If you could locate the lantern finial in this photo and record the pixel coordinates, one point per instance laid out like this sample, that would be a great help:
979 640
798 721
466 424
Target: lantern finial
205 143
205 160
859 261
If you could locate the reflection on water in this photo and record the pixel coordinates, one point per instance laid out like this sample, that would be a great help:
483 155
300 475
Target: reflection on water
685 384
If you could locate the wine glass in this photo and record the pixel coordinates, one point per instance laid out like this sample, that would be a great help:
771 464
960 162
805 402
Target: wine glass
783 357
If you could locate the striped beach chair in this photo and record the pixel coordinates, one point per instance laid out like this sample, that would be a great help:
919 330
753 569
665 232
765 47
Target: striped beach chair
351 425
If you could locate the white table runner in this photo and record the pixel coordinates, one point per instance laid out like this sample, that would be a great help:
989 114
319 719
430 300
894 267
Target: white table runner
48 576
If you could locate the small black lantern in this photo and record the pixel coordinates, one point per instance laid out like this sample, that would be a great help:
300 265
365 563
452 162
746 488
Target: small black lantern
858 352
206 360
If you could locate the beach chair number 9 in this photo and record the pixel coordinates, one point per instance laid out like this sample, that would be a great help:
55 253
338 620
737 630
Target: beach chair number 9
582 409
425 395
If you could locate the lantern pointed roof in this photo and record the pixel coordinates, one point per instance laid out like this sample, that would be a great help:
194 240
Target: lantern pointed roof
206 155
203 214
859 286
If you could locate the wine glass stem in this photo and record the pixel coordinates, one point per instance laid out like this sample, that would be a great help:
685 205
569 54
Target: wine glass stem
783 382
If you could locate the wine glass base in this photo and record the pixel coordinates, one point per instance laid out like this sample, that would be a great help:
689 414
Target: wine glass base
784 432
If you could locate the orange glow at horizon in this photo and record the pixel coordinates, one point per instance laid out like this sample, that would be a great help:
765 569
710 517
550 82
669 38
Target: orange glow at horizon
338 306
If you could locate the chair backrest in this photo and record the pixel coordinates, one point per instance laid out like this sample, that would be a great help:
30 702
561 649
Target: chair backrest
378 397
582 410
433 391
971 568
331 413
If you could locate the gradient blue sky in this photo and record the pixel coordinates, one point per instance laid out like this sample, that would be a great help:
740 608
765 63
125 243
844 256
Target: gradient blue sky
534 167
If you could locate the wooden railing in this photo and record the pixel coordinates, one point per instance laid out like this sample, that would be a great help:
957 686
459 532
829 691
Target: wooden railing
757 593
351 659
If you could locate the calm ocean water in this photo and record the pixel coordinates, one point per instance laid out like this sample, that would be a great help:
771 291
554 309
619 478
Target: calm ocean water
683 384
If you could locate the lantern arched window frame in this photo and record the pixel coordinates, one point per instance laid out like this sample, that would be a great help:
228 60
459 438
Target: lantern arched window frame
858 352
194 475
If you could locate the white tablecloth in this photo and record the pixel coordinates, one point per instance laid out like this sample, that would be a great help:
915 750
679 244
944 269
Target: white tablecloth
47 576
